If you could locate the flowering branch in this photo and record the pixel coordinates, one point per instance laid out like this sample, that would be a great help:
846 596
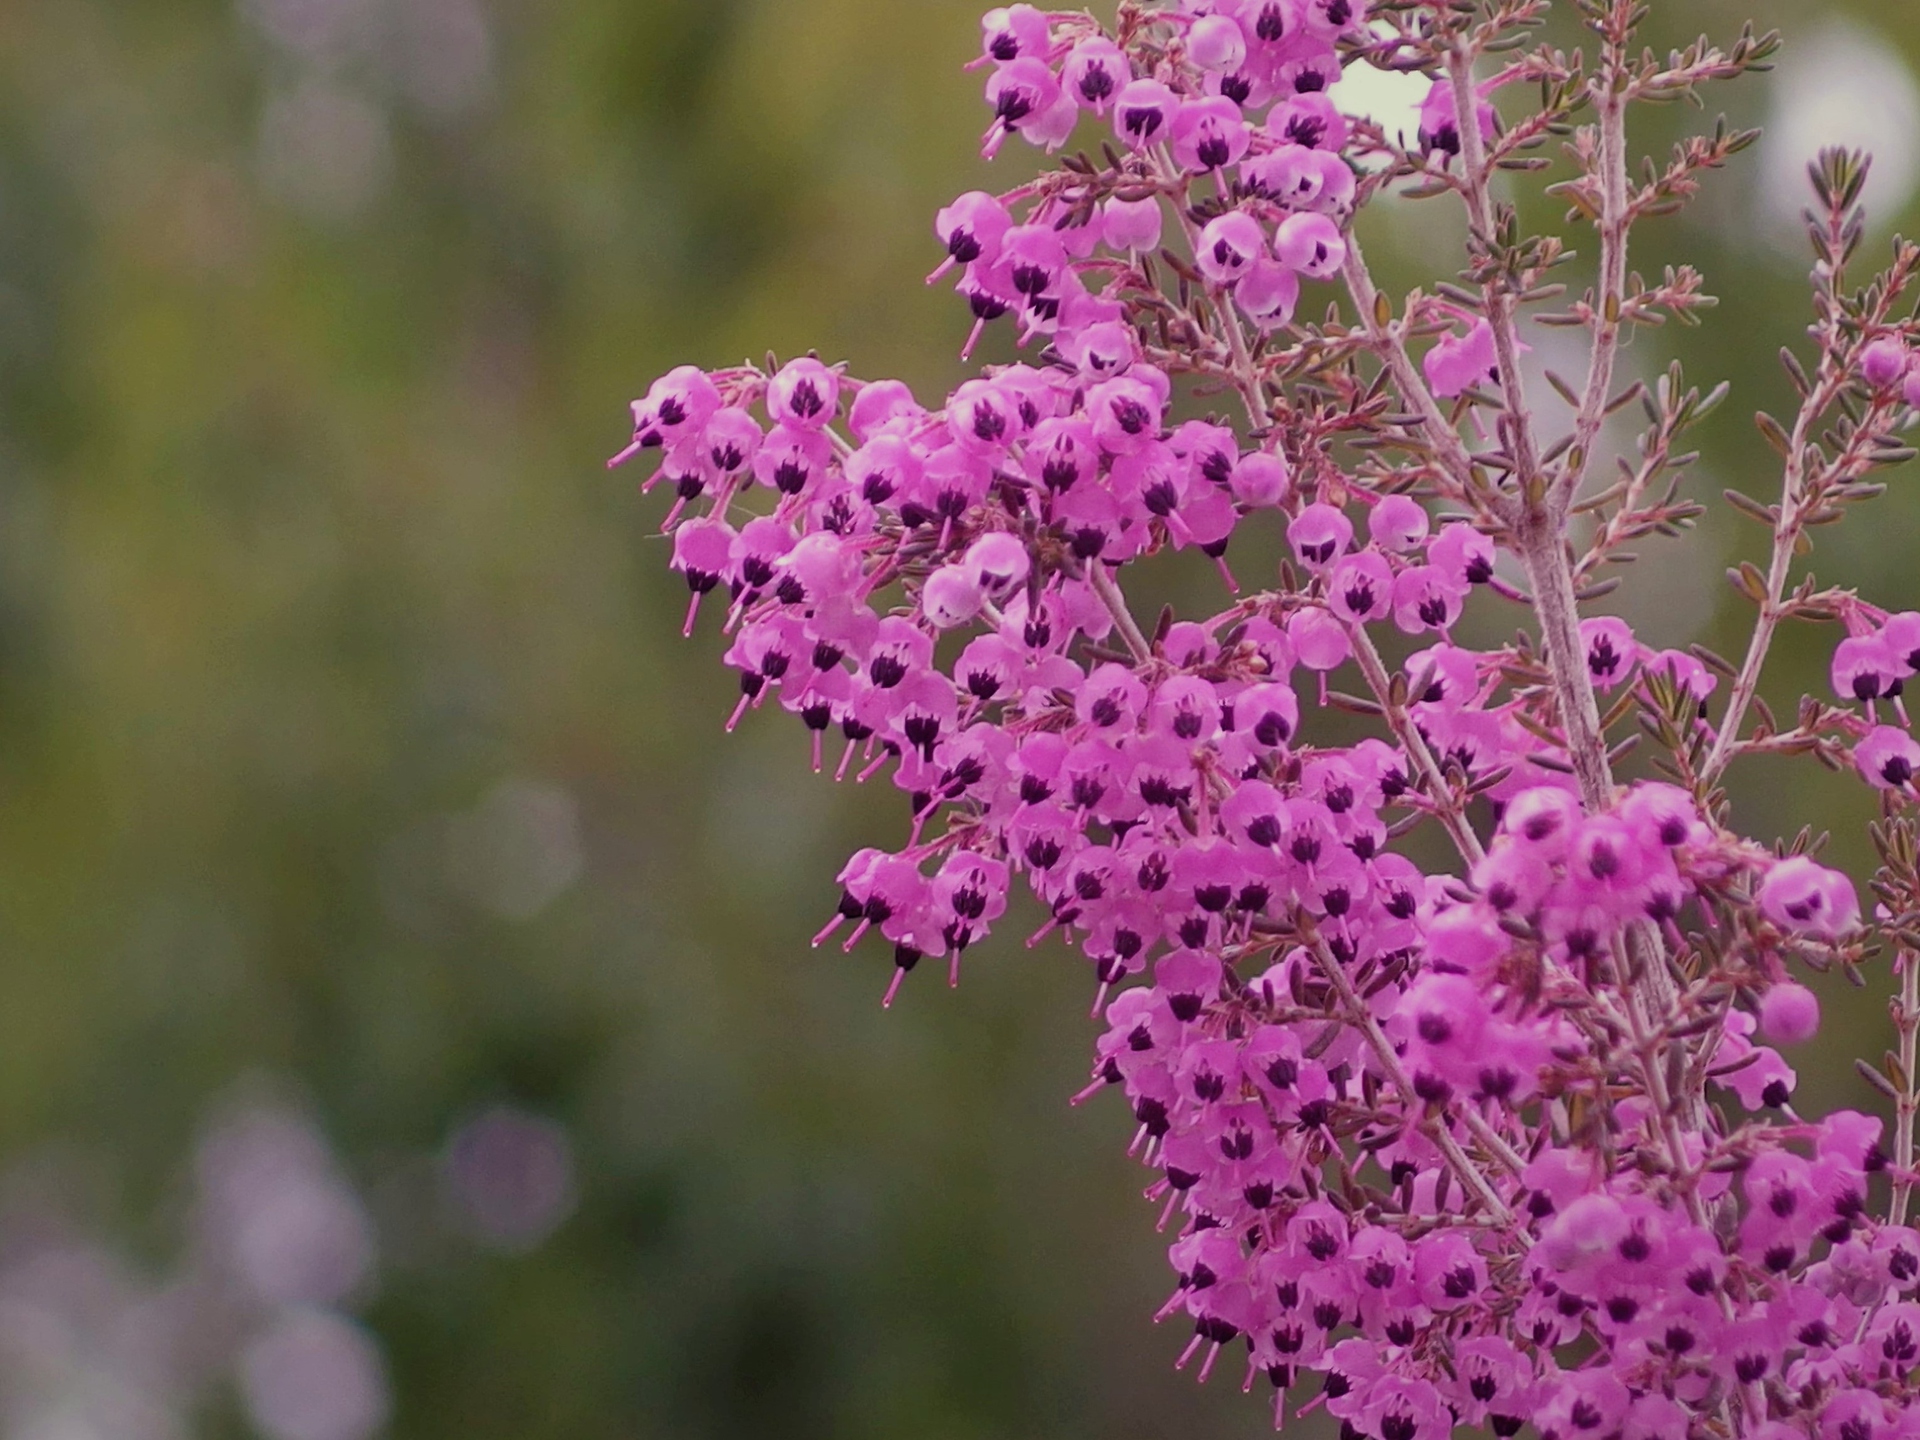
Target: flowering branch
1508 1144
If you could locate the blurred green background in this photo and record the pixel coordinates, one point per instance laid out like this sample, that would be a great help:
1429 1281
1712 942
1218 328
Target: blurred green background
350 755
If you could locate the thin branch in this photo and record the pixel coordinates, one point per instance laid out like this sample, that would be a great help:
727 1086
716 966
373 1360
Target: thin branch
1361 1018
1445 804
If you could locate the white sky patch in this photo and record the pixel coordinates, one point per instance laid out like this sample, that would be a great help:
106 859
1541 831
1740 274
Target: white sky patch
1390 98
1845 84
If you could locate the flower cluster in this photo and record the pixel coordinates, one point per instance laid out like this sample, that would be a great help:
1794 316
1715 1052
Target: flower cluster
1497 1142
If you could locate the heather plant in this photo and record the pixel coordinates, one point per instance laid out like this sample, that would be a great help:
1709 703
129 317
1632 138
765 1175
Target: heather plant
1503 1141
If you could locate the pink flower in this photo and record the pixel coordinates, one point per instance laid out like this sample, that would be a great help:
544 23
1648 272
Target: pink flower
1027 99
1229 244
1458 363
1800 896
1310 244
1009 32
1611 650
1426 598
806 394
1216 44
1398 523
1143 112
1865 669
1439 119
1318 534
972 228
1209 134
1887 758
1096 71
1267 293
1260 478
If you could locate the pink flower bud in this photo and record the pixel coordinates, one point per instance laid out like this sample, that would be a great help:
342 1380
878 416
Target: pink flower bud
1131 224
1260 479
950 597
1216 44
1883 363
1789 1014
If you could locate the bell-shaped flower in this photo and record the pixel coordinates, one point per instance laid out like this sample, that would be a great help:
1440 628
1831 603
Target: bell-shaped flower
1290 175
1026 99
1802 897
1267 293
1260 479
1439 119
1096 71
1125 414
1229 244
1425 598
1320 642
1143 112
1865 668
1319 534
1009 32
805 394
882 405
1209 134
1310 121
1398 523
1112 699
792 459
676 409
1610 649
1311 244
973 227
1360 588
731 440
1887 758
1463 552
1216 44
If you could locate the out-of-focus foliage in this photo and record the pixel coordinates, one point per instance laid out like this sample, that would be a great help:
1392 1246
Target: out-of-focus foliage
346 736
